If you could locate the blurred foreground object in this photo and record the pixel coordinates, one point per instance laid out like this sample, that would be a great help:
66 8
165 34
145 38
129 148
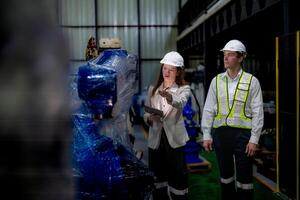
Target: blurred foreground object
34 110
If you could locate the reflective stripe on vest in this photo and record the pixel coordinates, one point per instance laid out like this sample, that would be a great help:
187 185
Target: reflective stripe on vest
233 116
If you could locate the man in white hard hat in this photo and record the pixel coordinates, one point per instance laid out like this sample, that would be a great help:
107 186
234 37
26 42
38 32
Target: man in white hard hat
232 122
167 133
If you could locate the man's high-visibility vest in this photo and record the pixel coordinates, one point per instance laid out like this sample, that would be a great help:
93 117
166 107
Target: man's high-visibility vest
233 116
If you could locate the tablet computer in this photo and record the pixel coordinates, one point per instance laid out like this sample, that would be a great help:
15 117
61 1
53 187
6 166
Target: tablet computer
155 111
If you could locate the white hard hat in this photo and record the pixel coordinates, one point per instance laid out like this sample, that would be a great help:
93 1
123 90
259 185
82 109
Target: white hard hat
235 45
173 58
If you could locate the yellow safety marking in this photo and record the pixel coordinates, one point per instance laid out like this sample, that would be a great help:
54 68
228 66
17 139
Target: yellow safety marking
277 113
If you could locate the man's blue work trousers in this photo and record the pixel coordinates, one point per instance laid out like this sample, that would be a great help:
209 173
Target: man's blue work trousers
235 166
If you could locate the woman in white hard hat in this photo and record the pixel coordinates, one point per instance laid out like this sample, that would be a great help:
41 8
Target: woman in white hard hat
232 122
167 133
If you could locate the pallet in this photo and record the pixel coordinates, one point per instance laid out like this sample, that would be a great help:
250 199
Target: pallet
204 166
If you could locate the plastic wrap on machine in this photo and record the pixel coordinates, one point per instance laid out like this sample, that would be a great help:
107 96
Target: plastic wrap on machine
105 166
97 87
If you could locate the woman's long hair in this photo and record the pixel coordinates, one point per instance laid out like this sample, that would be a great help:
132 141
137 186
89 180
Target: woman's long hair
179 78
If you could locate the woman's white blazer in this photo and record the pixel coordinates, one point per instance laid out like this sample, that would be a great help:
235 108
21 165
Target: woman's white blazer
172 121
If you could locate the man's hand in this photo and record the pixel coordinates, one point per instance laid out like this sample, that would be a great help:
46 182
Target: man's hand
250 149
207 144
